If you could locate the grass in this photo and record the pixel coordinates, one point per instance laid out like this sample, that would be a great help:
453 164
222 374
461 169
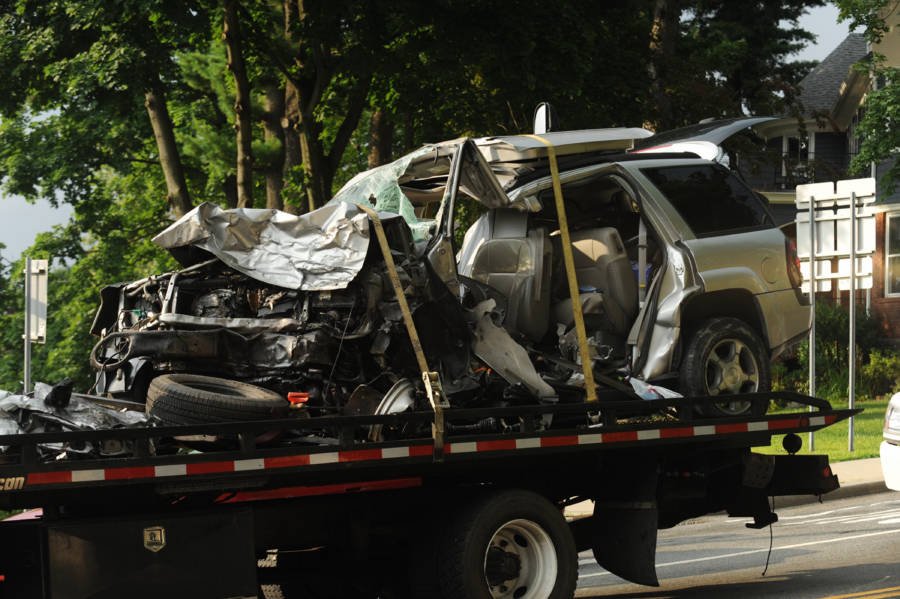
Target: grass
833 439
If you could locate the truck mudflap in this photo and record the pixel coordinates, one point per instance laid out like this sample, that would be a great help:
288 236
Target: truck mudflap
624 539
622 531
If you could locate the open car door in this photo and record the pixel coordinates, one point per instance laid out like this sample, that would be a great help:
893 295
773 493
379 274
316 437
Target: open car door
469 175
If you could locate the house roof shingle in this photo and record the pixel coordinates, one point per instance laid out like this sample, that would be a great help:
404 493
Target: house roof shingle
821 88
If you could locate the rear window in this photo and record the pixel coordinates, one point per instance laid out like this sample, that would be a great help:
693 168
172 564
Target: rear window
710 199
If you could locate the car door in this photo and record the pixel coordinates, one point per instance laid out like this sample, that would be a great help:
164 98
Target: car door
469 175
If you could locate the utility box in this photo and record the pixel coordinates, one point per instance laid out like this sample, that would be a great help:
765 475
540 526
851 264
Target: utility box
192 555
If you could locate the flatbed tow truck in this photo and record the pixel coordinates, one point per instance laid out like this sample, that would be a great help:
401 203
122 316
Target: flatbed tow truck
473 516
375 506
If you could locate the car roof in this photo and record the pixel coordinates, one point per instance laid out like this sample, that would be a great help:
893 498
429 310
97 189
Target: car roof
512 148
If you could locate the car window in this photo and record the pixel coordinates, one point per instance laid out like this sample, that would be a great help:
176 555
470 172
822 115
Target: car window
710 199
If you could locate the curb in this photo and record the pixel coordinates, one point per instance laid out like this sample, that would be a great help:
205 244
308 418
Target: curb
855 490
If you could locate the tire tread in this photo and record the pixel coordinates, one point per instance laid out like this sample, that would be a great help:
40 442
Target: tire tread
173 400
693 366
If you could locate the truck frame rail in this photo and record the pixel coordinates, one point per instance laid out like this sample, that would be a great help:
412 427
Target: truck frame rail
234 458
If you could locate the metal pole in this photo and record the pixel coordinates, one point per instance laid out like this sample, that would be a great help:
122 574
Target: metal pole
812 303
27 337
852 386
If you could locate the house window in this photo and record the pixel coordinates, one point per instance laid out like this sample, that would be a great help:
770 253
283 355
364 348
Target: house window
795 157
892 256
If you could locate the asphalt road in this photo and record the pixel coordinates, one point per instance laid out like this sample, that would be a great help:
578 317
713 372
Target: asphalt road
841 549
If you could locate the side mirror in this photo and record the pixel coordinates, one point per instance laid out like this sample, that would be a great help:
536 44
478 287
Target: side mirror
545 119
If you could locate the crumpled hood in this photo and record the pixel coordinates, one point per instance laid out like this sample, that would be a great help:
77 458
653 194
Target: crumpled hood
317 251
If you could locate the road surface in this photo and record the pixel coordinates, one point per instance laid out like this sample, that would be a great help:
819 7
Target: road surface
840 549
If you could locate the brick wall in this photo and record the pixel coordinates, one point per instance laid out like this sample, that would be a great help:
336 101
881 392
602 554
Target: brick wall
887 309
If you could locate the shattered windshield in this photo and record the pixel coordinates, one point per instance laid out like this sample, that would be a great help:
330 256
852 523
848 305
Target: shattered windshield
380 188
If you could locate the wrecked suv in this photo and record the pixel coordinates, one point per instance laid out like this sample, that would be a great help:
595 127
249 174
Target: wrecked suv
683 281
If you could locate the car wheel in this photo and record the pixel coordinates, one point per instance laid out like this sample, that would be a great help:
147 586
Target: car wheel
513 544
724 357
195 399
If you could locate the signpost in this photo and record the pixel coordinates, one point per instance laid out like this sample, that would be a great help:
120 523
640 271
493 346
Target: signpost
35 310
835 223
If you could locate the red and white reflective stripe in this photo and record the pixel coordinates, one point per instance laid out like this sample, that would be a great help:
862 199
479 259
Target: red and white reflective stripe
291 492
421 450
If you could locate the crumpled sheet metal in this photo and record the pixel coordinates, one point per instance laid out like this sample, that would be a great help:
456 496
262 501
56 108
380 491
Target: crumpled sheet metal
383 183
20 414
494 345
321 250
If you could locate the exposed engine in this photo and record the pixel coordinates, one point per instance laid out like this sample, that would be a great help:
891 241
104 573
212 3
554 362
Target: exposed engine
210 319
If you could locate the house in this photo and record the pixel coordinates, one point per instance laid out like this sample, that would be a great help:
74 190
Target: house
816 142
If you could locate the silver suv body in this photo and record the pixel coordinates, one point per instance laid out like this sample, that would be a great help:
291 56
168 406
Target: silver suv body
676 268
683 275
738 268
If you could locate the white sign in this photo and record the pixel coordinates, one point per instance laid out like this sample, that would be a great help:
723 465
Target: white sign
836 224
37 301
832 232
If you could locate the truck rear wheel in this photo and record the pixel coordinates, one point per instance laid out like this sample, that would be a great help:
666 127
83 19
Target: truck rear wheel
513 544
195 399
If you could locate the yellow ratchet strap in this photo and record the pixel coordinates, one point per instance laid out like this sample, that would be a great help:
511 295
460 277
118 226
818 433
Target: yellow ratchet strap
587 364
431 379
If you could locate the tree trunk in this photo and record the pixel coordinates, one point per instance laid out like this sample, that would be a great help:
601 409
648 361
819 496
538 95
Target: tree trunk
290 124
314 78
315 72
229 189
231 35
176 186
274 135
408 125
663 35
290 121
316 180
381 138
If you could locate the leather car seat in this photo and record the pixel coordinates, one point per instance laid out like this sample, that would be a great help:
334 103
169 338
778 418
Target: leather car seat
607 284
517 263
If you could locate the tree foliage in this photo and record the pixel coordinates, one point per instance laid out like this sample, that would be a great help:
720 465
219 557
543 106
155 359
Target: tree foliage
129 111
879 129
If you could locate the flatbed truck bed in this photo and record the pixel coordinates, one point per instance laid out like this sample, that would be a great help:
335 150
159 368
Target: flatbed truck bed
319 488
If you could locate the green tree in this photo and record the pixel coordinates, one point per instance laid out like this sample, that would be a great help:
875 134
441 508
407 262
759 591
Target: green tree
726 59
879 128
127 110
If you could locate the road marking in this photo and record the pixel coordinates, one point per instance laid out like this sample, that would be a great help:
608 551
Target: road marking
873 594
880 505
752 551
888 595
849 518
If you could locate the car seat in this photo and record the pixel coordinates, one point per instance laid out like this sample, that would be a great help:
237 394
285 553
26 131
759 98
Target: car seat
607 285
517 263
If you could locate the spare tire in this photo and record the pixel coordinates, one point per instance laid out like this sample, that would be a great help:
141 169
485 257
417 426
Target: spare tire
195 399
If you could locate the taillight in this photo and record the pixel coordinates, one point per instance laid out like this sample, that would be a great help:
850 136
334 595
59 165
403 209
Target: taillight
793 262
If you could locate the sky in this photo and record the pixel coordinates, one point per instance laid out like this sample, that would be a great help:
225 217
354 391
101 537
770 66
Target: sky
20 221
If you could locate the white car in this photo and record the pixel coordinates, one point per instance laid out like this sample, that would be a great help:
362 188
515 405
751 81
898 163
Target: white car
890 447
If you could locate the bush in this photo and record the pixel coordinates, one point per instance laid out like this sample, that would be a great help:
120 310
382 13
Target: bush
832 330
789 374
881 375
878 369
